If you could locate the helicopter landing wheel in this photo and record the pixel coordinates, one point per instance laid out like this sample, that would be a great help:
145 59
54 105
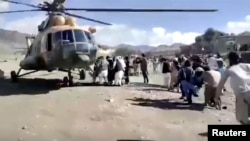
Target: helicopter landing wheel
13 76
70 82
65 81
82 75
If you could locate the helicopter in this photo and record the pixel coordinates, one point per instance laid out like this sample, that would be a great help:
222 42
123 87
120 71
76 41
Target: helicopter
63 45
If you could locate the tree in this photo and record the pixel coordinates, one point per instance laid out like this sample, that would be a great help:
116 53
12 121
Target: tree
198 39
244 47
209 34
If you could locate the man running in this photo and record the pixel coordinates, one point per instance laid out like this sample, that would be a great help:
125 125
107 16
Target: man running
144 68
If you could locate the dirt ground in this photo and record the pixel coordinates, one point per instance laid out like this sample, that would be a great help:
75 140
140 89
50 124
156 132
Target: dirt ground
40 110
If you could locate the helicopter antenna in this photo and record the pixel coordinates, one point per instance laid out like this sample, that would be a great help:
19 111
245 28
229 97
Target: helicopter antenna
57 6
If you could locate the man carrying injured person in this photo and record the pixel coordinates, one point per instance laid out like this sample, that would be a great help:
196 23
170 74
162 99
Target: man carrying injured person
239 74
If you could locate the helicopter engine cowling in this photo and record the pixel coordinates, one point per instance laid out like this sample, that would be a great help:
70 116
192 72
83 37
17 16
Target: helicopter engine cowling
58 21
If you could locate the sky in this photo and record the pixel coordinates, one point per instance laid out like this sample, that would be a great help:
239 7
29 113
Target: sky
143 28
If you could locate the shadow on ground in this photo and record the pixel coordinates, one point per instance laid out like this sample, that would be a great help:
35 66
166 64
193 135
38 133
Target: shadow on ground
133 140
205 134
34 86
28 86
166 104
137 84
149 87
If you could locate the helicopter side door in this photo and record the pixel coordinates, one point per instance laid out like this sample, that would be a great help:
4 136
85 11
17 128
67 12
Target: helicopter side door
35 48
47 48
49 42
92 45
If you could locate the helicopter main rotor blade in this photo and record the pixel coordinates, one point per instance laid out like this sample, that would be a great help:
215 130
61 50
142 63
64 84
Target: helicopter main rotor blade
139 10
20 11
85 18
59 1
21 3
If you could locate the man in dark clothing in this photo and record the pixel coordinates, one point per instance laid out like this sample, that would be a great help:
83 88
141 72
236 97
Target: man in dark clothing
96 69
111 74
144 68
127 68
180 78
197 61
136 63
186 76
166 70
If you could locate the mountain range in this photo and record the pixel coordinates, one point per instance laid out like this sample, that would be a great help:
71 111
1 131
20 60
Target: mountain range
147 48
14 41
11 41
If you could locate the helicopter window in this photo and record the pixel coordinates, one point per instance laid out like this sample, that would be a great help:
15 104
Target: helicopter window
79 36
92 38
88 36
57 36
68 35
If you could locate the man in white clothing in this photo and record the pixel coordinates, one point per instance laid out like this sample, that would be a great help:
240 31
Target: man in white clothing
240 84
103 74
119 70
212 63
211 79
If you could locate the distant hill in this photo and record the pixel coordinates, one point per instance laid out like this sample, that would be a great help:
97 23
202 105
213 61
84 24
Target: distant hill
246 33
147 48
11 41
175 46
142 48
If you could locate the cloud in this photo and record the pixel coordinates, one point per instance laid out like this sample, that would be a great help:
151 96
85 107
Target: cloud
119 33
4 6
113 35
238 26
26 24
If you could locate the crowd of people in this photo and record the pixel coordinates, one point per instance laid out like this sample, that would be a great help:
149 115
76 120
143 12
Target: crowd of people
190 74
184 74
113 70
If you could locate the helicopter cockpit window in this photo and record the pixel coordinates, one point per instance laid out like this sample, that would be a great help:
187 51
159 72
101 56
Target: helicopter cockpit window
79 36
72 36
88 36
68 35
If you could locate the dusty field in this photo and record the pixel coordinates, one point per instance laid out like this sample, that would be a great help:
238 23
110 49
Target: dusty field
39 110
